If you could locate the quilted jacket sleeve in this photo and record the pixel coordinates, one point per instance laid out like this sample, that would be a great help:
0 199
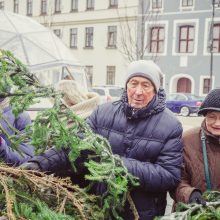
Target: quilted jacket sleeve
53 160
25 150
165 173
184 189
162 175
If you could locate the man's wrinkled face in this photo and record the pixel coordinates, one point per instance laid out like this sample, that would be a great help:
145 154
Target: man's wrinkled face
213 122
140 92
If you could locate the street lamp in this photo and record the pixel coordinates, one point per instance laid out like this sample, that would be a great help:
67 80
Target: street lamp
214 3
211 42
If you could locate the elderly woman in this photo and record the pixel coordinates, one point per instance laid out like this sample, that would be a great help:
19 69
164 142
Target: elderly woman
201 170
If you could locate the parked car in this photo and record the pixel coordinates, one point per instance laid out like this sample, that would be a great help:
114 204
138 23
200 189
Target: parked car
108 93
183 103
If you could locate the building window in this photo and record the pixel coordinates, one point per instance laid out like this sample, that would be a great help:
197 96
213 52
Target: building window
1 5
186 39
57 32
89 4
43 7
157 40
187 3
206 86
74 5
73 38
113 3
57 6
89 74
16 6
216 38
89 37
217 3
112 36
110 78
29 7
156 4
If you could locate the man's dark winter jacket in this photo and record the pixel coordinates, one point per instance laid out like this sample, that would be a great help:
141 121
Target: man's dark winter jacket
8 155
148 141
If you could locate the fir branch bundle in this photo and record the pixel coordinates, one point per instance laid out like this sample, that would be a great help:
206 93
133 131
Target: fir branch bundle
34 195
61 128
197 211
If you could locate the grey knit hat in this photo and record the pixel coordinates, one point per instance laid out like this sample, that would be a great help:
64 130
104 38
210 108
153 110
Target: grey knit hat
211 102
147 69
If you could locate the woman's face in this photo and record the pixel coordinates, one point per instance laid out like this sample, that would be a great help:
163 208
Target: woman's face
212 120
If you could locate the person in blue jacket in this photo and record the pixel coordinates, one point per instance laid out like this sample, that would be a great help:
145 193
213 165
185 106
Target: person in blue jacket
143 132
7 154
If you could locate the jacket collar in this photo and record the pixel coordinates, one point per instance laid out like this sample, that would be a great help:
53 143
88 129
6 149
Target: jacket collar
156 105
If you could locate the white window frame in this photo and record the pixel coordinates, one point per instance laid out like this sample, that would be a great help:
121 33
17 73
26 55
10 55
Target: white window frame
29 7
89 37
114 36
202 77
187 8
174 79
73 38
148 26
57 6
74 5
176 25
216 5
2 5
109 69
156 9
16 6
206 37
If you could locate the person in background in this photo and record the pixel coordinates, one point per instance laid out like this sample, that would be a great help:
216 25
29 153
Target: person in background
25 150
82 103
146 136
202 154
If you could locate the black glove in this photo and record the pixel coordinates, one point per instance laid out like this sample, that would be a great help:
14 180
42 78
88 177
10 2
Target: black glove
80 161
101 188
196 197
30 166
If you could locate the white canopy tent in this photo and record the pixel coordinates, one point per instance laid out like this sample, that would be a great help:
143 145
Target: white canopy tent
38 48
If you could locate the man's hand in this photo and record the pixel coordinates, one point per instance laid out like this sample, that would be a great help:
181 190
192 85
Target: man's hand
30 166
196 197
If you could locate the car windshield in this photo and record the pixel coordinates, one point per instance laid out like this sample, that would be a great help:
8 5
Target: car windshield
196 97
99 91
115 92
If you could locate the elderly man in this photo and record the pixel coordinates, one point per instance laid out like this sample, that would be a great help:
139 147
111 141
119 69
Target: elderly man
146 136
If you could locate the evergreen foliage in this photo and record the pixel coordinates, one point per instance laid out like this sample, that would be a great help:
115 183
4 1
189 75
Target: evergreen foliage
61 128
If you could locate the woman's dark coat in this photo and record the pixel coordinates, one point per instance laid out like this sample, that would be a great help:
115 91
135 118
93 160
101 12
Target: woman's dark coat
7 154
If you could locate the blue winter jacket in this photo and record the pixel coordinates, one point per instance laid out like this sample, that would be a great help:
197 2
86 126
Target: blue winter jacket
7 154
149 143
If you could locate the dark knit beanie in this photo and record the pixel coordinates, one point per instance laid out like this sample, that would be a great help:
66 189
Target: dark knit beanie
211 102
